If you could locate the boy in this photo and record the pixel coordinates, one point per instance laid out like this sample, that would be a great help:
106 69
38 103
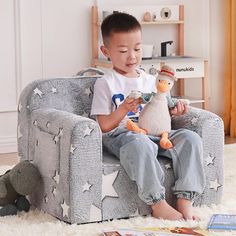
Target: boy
138 153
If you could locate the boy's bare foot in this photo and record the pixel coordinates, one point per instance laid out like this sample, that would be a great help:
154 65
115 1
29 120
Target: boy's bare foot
185 207
163 210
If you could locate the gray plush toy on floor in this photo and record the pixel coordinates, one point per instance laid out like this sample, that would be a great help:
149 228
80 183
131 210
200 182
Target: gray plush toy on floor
15 184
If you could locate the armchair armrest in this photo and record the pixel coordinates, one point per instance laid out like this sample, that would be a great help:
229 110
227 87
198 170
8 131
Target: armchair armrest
68 146
200 121
210 127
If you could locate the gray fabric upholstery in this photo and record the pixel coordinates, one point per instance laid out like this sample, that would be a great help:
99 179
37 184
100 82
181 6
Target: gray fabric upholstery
81 182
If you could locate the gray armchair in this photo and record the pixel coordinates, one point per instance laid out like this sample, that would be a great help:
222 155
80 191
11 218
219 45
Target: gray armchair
81 182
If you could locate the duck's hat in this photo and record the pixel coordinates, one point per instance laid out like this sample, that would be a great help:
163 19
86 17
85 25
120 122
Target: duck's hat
168 71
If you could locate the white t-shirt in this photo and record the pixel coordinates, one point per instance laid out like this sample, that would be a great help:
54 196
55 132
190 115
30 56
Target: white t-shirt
111 90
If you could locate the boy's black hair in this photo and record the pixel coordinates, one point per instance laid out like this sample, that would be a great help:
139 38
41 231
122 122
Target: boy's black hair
117 23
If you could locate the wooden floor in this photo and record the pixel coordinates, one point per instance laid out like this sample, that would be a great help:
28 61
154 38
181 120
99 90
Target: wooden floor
11 158
8 159
229 140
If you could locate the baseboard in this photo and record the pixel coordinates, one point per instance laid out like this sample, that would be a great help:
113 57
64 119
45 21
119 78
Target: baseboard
8 144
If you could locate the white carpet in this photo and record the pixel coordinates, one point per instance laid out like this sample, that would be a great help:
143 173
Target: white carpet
38 223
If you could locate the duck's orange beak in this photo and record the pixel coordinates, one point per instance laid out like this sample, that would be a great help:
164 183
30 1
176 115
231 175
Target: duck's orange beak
163 86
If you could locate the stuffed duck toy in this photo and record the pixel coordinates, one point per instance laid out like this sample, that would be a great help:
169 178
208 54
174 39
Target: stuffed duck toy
155 119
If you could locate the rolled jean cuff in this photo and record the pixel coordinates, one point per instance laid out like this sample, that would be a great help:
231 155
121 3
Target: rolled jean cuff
186 195
155 199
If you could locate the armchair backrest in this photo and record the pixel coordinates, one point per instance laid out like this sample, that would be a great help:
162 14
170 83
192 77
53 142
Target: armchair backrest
68 94
73 95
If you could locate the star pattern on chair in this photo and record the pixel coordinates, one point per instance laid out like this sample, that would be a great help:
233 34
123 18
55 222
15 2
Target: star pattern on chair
72 148
85 114
57 137
87 131
194 120
53 90
86 187
54 191
60 133
215 185
56 177
95 214
107 185
210 159
35 122
136 213
88 91
168 166
38 92
19 107
65 209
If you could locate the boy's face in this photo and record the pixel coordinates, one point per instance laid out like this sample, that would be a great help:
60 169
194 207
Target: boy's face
124 50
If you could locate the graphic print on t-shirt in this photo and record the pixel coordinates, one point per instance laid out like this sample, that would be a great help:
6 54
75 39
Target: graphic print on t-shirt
118 99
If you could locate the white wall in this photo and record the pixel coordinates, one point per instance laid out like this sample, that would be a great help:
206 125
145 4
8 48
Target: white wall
50 38
216 57
8 76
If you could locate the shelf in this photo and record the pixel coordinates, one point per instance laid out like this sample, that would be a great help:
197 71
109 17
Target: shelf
156 22
192 100
195 100
101 61
161 22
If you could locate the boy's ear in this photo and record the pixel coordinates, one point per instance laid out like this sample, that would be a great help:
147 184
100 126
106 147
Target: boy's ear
105 51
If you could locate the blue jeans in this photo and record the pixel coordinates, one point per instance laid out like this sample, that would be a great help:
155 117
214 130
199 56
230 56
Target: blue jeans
138 154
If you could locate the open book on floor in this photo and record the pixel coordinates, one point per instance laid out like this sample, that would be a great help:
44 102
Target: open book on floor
222 222
172 231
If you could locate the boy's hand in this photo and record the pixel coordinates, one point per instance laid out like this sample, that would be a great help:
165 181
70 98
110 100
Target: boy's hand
180 109
131 104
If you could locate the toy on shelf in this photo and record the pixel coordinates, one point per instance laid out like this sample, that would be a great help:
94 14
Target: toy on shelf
147 17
